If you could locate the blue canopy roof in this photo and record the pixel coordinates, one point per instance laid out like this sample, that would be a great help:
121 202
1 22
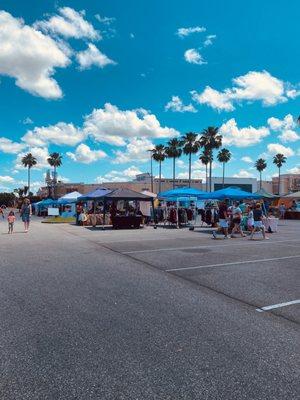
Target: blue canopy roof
94 195
46 203
182 192
231 193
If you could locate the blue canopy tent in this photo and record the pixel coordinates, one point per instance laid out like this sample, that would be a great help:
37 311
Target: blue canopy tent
231 193
183 196
43 205
47 203
94 195
182 192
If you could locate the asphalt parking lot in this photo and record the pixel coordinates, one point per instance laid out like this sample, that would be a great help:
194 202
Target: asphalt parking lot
259 273
148 314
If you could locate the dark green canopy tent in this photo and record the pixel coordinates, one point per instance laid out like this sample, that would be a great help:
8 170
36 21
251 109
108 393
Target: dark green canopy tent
266 195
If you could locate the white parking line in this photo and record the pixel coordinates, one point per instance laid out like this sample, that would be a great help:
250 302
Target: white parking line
267 308
211 246
233 263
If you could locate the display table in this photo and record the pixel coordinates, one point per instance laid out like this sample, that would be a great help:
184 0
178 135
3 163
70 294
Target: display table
271 223
292 215
127 222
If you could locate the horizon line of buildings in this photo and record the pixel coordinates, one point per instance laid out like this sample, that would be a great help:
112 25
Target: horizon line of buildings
289 183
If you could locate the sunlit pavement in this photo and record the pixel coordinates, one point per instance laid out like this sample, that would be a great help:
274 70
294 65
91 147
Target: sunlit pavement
148 314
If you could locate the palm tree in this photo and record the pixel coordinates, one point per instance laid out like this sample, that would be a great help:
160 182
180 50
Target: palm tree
55 161
29 161
173 150
260 165
191 146
279 160
223 157
210 140
19 191
205 159
159 156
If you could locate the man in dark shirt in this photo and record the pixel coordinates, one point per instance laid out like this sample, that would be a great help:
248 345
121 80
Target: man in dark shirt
258 222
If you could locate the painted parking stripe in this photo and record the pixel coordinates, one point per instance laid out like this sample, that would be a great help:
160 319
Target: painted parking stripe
209 246
233 263
272 307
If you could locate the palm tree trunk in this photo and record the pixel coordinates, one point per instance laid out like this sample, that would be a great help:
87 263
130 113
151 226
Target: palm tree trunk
279 181
260 183
54 188
206 177
151 171
28 183
159 176
190 169
210 173
173 172
223 179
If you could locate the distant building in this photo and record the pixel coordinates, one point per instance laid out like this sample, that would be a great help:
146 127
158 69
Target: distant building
140 183
289 183
267 185
247 184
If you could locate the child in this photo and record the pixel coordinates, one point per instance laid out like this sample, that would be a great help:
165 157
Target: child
11 220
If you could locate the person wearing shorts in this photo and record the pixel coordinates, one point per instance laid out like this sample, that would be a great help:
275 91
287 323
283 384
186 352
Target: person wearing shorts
237 219
223 221
26 213
258 222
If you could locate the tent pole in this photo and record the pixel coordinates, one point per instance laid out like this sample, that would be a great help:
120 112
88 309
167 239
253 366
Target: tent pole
154 213
103 219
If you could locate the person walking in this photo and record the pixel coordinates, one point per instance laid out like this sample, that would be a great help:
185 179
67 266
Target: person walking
11 221
282 210
250 219
237 220
26 212
2 212
223 219
258 222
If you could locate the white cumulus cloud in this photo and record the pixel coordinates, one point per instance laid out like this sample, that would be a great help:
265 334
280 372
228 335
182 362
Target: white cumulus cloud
243 174
10 147
184 32
176 105
119 176
247 159
242 137
59 134
286 127
136 150
84 154
209 40
113 126
193 56
275 148
253 86
30 57
70 24
6 179
93 56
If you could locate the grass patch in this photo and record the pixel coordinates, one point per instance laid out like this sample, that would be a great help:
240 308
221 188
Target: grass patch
59 220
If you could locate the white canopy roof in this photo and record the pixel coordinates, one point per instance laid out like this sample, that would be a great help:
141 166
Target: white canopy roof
147 193
71 196
295 195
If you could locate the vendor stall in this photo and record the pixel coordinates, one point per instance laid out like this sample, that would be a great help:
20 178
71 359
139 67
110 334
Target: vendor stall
67 204
124 207
179 206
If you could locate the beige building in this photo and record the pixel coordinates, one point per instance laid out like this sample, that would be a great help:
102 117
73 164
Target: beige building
140 183
289 183
267 186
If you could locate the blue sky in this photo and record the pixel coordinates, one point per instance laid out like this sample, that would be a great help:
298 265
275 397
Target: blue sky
103 85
